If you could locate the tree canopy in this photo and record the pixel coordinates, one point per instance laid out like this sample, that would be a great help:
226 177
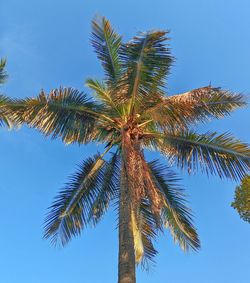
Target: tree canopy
242 199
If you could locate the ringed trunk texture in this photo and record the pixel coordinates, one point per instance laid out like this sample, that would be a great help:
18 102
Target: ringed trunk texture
126 266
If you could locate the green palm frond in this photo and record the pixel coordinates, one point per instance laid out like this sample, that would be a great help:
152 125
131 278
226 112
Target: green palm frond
107 43
104 94
101 90
176 216
65 113
75 205
147 61
221 155
109 189
3 74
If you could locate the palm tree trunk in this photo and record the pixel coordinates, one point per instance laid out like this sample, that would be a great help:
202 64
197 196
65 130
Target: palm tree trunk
126 266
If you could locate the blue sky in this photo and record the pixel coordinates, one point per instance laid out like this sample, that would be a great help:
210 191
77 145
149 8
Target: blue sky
47 45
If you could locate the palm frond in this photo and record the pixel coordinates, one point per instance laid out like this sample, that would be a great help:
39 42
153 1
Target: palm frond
172 213
65 113
145 232
165 115
137 236
4 101
210 102
106 43
198 105
80 202
221 155
101 90
176 216
109 189
147 61
5 118
103 93
3 74
144 235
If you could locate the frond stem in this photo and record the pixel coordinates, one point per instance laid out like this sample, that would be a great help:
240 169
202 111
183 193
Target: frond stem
145 123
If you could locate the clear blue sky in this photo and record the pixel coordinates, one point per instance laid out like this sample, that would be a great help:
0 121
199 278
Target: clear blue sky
47 45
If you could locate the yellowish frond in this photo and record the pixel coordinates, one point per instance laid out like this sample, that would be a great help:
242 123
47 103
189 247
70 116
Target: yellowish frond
138 245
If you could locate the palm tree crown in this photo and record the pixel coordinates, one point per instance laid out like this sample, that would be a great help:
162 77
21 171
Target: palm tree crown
131 113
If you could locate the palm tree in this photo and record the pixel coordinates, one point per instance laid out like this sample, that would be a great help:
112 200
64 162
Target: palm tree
4 117
130 114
